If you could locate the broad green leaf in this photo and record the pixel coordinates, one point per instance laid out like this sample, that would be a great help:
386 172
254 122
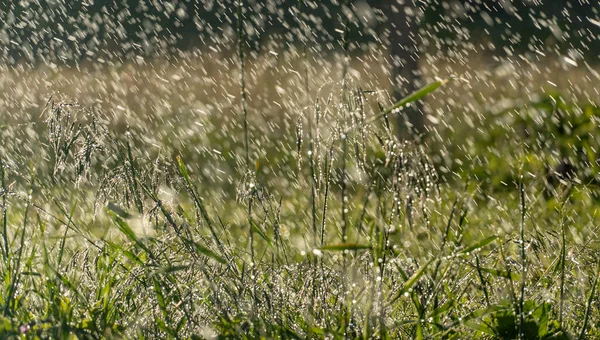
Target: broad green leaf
413 97
420 93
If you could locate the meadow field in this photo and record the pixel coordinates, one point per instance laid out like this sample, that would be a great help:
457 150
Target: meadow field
143 200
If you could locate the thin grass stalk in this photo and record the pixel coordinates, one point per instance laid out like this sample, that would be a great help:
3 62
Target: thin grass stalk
199 206
372 288
313 189
588 308
252 255
313 200
523 262
299 140
434 294
511 284
242 59
344 136
563 258
363 213
384 243
16 275
482 280
276 230
5 249
344 214
328 160
134 186
318 147
64 239
445 239
378 255
69 223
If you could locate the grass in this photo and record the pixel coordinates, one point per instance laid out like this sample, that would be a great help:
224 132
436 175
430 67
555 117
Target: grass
163 210
338 230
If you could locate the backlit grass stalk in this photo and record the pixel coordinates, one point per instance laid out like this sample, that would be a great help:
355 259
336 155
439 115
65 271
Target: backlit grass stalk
242 59
588 308
4 189
523 261
344 218
313 189
511 285
381 263
434 293
253 264
482 280
313 199
563 258
328 161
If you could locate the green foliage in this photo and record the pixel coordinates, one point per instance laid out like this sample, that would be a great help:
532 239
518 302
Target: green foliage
502 323
549 137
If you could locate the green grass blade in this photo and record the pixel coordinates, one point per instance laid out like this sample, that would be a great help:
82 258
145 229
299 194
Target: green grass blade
264 236
442 309
160 298
412 280
411 98
501 273
209 253
127 231
417 95
588 308
129 254
479 244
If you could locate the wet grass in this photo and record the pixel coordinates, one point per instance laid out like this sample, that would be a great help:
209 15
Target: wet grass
329 227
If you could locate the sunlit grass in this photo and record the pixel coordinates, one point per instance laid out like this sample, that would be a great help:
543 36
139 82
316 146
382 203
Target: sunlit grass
141 233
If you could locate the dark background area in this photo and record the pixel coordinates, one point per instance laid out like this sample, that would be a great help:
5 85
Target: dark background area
74 31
